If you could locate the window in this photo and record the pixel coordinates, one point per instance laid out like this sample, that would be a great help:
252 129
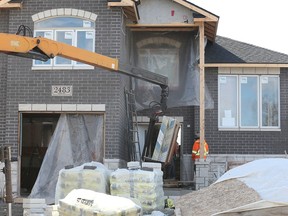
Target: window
164 61
70 30
249 101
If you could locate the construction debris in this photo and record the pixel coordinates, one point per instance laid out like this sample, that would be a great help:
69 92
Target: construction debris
216 198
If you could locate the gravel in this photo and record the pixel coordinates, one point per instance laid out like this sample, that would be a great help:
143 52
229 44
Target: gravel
216 198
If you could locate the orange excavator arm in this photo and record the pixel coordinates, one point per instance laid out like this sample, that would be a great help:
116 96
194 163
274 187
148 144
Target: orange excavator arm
43 49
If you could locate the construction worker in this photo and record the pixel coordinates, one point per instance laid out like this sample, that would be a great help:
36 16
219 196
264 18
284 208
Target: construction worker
196 148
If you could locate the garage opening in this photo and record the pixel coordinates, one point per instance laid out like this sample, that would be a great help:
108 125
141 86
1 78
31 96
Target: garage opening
50 142
37 130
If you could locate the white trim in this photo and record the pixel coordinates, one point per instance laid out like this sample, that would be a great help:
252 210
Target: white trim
249 70
64 12
62 107
259 92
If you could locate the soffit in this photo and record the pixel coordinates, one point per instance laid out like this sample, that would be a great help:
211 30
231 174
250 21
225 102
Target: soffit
10 4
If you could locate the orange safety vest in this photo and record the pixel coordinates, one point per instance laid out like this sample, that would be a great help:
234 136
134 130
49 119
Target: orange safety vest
196 150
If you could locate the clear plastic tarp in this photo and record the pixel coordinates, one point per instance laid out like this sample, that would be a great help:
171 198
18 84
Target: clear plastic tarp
77 139
269 178
172 54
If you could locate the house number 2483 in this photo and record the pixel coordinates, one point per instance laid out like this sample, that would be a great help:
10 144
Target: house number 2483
62 90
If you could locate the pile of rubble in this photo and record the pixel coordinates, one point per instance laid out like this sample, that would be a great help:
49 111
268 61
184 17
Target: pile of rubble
216 198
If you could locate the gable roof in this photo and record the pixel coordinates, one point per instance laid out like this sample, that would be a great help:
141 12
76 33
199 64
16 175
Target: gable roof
226 50
130 7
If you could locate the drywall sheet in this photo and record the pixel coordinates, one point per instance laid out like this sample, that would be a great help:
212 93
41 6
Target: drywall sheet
77 139
167 133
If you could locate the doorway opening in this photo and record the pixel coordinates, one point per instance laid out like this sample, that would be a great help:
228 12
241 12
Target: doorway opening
171 171
36 132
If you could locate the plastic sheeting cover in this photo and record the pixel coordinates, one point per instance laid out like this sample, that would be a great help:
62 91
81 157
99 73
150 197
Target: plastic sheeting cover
87 202
77 139
173 55
92 176
269 178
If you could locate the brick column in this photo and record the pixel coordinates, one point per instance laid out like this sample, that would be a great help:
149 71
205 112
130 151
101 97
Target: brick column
202 174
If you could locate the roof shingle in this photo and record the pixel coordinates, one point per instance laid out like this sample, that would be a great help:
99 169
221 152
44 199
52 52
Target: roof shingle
226 50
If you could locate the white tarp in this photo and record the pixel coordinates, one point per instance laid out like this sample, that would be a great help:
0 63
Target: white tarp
77 139
269 178
87 202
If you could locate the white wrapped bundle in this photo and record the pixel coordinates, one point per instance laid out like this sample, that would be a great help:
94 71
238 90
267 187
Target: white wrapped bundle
145 186
93 176
89 203
137 175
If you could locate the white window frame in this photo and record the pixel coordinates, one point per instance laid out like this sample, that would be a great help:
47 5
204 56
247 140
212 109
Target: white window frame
73 65
259 105
278 99
237 105
240 104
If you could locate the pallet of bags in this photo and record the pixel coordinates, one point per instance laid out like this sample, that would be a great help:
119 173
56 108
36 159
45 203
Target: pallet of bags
93 176
90 203
145 186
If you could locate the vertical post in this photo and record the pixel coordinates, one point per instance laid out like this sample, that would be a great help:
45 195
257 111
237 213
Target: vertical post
8 180
202 88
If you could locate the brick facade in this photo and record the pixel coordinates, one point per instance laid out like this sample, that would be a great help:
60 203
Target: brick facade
243 142
3 77
19 84
97 86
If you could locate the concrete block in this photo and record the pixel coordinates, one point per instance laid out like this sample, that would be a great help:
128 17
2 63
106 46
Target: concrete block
54 107
38 107
35 17
93 16
74 12
98 107
53 12
81 13
199 180
34 200
41 15
84 107
68 11
69 107
204 172
24 107
87 14
47 13
60 11
34 206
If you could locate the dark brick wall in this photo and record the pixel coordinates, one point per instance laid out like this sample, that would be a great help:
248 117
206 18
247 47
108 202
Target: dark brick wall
89 86
244 142
4 15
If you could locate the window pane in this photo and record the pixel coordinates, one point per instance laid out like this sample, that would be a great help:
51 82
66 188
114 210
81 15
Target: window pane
270 103
66 22
85 40
64 37
228 101
161 61
249 101
45 34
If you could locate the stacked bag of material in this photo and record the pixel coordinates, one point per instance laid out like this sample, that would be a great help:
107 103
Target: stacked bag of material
145 186
93 176
34 207
89 203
